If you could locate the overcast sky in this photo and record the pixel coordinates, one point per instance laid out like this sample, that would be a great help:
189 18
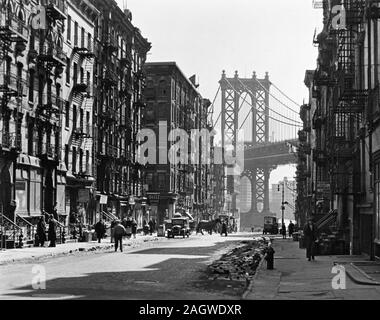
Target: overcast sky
205 37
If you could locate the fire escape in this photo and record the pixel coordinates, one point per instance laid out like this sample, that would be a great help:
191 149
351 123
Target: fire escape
13 39
50 63
348 105
107 118
82 94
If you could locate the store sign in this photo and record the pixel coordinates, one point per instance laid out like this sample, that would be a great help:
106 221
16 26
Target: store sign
323 189
83 195
153 198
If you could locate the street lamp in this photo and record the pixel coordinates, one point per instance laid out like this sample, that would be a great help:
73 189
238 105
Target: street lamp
282 201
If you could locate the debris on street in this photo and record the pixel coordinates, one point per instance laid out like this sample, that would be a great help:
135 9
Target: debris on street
241 262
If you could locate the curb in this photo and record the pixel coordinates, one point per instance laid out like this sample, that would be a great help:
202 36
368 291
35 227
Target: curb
70 251
355 279
252 282
55 255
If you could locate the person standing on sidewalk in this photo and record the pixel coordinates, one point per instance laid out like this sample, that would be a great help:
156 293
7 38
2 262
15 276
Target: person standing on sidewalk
113 224
52 233
283 231
151 226
100 230
269 256
128 227
119 232
310 234
41 232
134 228
291 229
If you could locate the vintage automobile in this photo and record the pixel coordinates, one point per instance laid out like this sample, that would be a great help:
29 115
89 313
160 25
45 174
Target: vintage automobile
270 225
179 227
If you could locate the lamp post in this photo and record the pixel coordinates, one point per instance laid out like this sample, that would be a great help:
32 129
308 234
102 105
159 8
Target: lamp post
282 201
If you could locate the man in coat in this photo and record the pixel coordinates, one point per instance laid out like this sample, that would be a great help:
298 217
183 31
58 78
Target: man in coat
224 229
310 236
283 231
41 232
52 233
151 226
291 229
100 230
134 228
119 232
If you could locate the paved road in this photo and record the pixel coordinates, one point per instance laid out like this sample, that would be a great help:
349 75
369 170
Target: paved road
172 269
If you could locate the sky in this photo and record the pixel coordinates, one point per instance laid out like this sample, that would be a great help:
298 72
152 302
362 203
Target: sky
206 37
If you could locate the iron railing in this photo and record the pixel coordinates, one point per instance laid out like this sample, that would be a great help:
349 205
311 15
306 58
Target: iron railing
11 25
57 7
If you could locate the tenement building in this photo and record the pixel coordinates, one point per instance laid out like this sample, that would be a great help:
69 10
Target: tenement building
71 85
174 106
118 106
342 192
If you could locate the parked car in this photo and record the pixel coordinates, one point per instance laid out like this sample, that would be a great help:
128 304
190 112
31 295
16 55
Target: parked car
179 227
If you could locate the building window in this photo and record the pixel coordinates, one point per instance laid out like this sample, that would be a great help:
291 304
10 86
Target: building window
35 191
76 30
88 162
161 181
69 28
74 161
82 37
22 186
74 117
80 160
31 86
75 73
67 155
67 70
67 124
89 42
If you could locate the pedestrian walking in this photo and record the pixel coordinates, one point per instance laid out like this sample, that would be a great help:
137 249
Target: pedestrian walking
119 232
224 229
291 229
128 228
269 256
283 231
100 229
154 225
41 232
199 228
310 237
52 233
113 224
151 226
134 228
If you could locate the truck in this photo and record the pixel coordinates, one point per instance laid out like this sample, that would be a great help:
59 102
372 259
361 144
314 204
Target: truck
270 225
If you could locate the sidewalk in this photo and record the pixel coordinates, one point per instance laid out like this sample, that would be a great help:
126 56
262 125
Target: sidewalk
295 278
30 254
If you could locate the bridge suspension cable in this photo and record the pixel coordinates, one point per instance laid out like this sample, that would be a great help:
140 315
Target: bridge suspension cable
274 97
211 112
274 119
296 123
286 96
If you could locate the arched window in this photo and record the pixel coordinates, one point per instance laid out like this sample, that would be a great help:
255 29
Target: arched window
21 14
